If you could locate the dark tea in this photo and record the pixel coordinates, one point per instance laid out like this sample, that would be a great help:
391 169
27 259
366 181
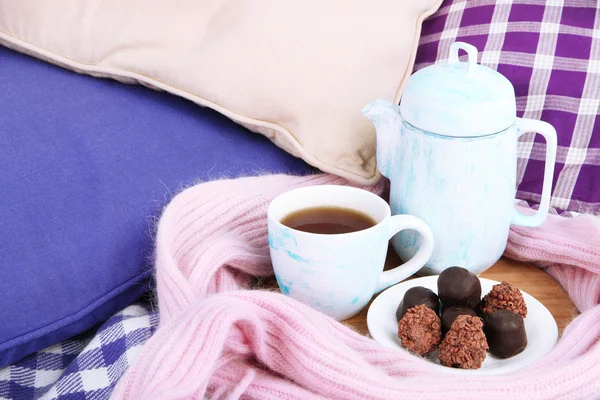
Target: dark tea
328 220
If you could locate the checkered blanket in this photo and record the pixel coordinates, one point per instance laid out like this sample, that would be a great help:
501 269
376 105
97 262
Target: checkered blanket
86 367
550 51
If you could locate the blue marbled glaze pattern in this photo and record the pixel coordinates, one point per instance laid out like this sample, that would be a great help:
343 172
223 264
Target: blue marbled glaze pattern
463 188
338 273
340 277
450 152
283 237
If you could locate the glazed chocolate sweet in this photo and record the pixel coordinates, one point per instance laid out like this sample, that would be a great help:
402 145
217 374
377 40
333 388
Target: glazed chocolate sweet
415 296
505 333
458 287
420 330
449 315
504 296
464 346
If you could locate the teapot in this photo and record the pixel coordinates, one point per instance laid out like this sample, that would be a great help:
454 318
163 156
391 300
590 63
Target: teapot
450 153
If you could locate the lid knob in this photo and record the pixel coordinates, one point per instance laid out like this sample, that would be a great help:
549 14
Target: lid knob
471 55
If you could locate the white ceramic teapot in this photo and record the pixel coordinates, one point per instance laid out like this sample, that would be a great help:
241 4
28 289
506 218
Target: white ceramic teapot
450 152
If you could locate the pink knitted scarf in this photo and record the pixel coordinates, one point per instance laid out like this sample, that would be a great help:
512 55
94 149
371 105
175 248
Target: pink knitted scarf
219 340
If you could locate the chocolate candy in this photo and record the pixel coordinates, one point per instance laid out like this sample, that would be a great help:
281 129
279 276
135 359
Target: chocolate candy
458 287
420 330
504 296
450 314
505 332
465 345
415 296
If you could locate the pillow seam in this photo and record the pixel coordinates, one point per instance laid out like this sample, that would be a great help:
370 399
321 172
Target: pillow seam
114 73
372 178
411 63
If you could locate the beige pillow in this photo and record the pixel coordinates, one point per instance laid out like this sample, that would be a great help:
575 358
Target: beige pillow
297 71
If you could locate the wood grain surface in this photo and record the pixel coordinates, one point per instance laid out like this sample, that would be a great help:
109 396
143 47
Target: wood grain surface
527 277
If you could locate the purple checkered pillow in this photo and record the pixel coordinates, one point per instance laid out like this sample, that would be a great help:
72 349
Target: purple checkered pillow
550 51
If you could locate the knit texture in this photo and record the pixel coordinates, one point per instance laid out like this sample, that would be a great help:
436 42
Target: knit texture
219 340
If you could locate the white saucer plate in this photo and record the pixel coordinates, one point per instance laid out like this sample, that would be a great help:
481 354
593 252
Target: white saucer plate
542 332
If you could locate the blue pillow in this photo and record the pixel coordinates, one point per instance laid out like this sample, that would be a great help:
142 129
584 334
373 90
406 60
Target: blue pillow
87 164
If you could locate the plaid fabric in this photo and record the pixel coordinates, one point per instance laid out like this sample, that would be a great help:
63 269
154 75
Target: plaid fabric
86 367
550 51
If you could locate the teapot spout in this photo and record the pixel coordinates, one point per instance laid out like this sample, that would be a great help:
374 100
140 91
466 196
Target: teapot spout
386 118
380 110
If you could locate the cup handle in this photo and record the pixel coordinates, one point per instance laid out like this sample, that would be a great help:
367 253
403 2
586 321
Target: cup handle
398 223
549 133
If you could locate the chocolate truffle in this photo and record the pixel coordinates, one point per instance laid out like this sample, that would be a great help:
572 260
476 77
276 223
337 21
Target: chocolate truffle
415 296
465 345
458 287
450 314
420 330
505 332
504 296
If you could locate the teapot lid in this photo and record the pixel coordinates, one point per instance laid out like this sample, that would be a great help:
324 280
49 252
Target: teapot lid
459 99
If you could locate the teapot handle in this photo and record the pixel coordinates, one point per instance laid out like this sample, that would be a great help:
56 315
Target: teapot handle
549 133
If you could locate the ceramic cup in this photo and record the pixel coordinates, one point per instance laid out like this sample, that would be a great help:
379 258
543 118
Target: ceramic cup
338 274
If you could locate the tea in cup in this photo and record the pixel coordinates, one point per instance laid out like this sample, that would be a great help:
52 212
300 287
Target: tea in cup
329 243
